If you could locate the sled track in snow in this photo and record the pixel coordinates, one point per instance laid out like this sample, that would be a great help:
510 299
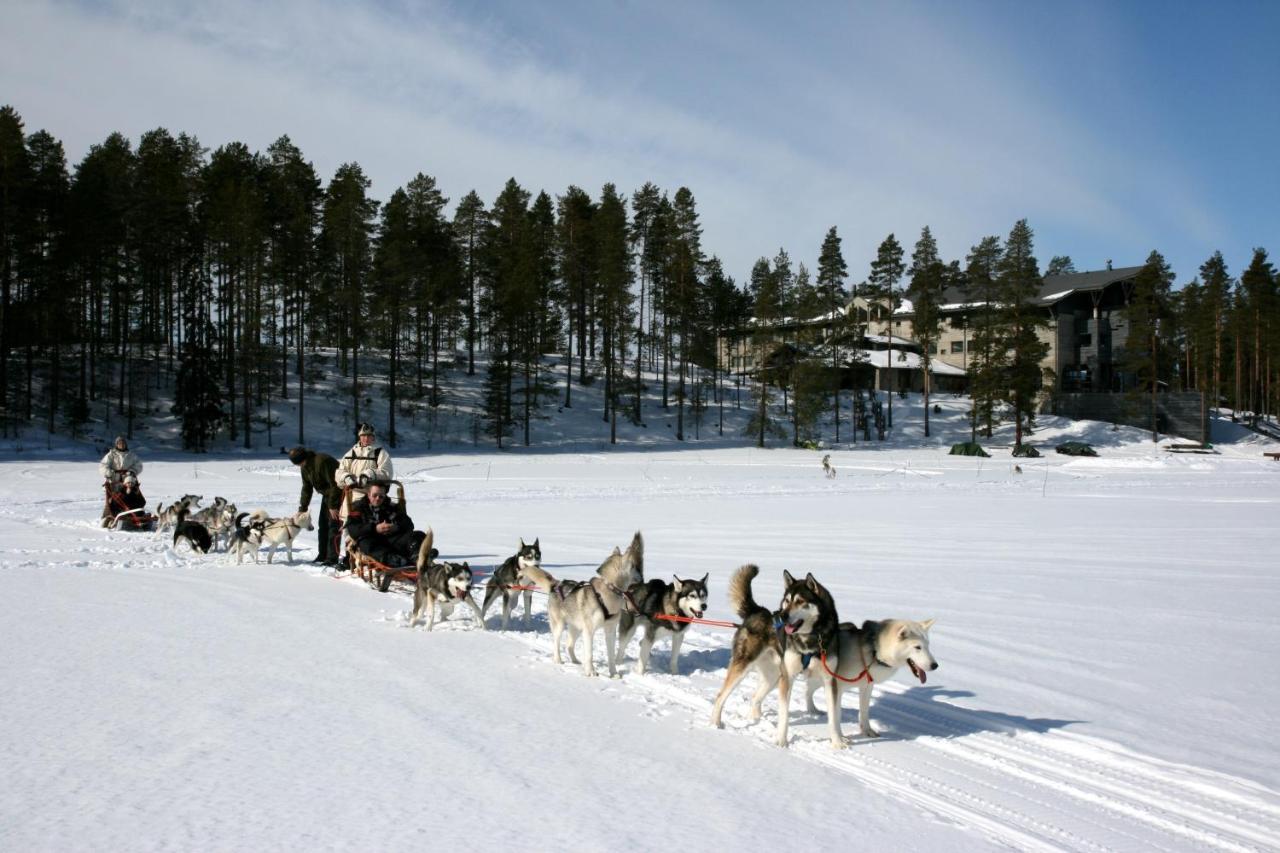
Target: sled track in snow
1032 790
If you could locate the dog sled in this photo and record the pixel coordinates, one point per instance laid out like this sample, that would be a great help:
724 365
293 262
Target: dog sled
377 574
120 516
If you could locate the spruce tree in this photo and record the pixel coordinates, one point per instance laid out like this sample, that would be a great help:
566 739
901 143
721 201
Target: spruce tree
986 359
1216 297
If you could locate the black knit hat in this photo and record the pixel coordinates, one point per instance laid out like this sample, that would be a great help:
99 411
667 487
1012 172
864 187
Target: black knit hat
298 455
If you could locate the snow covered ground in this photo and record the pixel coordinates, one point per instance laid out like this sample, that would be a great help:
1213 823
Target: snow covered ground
1106 634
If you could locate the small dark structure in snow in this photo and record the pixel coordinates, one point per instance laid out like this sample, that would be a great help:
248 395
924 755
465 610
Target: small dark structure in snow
968 448
1076 448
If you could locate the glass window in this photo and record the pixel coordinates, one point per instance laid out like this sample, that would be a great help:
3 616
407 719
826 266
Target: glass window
957 347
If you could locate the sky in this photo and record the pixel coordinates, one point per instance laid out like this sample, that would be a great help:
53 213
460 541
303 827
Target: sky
1113 128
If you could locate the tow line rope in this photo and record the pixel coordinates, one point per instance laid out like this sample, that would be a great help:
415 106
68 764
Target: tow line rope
866 669
716 622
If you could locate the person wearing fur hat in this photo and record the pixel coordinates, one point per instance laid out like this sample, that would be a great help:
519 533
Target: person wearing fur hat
119 463
318 470
365 463
120 460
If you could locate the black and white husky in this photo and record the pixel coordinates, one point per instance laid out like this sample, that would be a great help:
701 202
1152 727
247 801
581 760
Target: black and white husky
511 574
441 585
585 607
195 534
245 538
799 637
653 599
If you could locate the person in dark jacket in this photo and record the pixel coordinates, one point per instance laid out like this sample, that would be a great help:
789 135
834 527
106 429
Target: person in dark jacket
317 471
383 530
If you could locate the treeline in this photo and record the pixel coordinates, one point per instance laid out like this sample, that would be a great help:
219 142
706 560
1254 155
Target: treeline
214 275
210 279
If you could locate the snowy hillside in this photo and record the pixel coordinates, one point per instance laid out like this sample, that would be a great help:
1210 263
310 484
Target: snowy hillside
1105 631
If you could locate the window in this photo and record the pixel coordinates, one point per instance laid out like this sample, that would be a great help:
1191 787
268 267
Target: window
1085 340
957 347
933 348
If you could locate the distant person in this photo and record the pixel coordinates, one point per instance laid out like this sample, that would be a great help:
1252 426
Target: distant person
119 462
318 475
383 530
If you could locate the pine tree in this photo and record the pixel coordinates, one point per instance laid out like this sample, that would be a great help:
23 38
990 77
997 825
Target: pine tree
613 262
1258 288
987 359
15 179
575 212
832 271
1060 265
886 272
928 278
1148 305
767 309
1216 297
686 270
469 222
644 209
346 257
1020 321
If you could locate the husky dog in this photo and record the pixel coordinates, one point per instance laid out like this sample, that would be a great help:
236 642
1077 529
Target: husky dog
282 531
828 468
167 516
512 573
585 607
656 598
193 533
443 585
869 655
245 538
218 518
781 645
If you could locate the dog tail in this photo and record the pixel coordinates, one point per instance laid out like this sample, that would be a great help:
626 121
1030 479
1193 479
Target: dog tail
240 516
424 551
635 553
540 578
740 591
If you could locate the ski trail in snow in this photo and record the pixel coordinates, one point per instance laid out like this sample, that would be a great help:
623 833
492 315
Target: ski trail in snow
1031 790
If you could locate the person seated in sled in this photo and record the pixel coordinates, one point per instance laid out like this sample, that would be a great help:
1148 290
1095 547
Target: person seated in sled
119 462
381 529
129 497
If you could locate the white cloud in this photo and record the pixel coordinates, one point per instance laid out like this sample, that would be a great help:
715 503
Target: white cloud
886 141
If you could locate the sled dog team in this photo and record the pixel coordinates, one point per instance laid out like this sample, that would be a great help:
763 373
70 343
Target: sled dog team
804 636
220 525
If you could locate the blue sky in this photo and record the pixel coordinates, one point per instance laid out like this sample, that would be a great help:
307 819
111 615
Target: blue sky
1114 128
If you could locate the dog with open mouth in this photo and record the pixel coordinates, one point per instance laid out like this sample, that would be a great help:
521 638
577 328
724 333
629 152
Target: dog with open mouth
441 587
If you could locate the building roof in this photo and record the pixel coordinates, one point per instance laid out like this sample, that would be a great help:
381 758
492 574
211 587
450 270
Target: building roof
1058 287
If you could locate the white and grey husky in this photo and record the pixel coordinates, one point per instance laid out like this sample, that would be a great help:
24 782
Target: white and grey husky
167 516
654 599
441 586
512 574
585 607
869 655
282 531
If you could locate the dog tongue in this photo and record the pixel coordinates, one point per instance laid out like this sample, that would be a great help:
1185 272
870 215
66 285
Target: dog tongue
789 628
918 672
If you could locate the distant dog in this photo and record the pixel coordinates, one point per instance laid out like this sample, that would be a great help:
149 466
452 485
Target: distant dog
442 586
245 538
655 598
167 516
780 646
282 531
585 607
218 517
512 574
828 468
195 534
869 655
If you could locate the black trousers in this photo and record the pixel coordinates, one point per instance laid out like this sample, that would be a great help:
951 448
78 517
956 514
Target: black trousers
327 529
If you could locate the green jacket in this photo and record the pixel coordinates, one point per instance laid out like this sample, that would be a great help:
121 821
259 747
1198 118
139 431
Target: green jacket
318 476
